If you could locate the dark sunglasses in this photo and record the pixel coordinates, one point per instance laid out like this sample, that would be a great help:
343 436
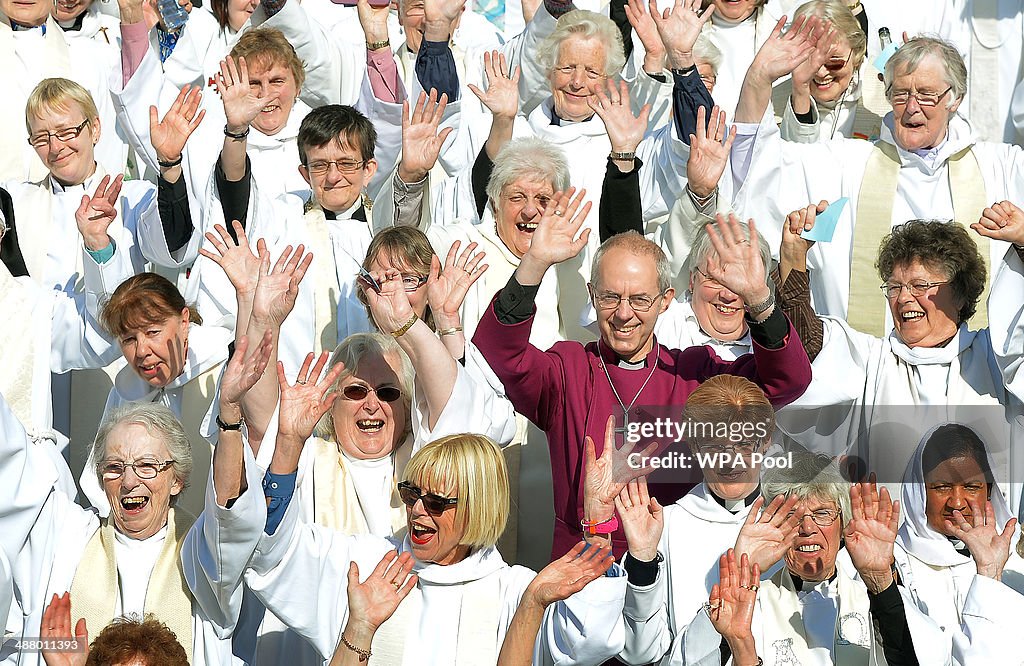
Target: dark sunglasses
434 504
360 391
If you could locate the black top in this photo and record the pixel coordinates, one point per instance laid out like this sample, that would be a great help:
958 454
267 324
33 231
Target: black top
234 195
10 251
175 216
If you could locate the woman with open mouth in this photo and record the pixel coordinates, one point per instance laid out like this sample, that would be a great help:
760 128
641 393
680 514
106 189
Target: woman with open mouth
958 551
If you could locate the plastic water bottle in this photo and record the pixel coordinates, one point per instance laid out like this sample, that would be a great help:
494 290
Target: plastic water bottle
884 38
172 14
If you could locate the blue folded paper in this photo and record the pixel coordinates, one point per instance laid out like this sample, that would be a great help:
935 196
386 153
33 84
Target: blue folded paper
825 223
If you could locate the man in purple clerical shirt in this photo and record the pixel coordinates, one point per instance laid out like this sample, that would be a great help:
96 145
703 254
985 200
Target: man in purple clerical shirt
570 390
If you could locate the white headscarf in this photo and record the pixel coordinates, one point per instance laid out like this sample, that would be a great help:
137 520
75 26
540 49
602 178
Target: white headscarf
915 535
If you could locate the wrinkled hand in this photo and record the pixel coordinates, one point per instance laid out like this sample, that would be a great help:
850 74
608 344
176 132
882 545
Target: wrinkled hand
502 95
783 53
709 152
805 71
642 520
440 15
679 28
245 368
306 401
373 20
731 604
989 547
169 135
555 239
447 289
1003 221
95 214
625 130
236 258
376 599
242 103
736 263
765 538
794 247
871 533
647 30
56 626
569 574
421 142
277 288
390 308
605 477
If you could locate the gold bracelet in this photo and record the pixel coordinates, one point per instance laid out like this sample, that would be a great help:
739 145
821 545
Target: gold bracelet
364 655
376 46
400 332
450 331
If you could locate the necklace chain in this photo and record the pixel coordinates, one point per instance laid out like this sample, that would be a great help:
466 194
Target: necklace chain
615 392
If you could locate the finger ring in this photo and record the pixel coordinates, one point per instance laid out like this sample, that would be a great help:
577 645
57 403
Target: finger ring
300 381
397 585
752 588
558 213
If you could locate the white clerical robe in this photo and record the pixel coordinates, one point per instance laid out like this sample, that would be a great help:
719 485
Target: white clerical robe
198 52
989 34
867 389
944 583
28 57
802 173
857 114
656 615
188 396
436 624
103 29
44 536
918 17
678 328
824 624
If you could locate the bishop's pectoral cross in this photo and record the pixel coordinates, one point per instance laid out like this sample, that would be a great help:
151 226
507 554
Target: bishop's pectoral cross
624 430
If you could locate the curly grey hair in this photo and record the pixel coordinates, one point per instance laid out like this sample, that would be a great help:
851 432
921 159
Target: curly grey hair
531 158
583 23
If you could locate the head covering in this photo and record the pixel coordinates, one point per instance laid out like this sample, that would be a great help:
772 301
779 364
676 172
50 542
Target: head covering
916 535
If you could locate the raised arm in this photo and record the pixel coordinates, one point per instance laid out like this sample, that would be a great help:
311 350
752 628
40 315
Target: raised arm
501 98
421 140
794 291
731 605
242 105
767 535
446 291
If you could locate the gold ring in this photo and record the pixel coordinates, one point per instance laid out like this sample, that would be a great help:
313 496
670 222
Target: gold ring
397 585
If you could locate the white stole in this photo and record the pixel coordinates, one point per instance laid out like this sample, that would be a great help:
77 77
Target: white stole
985 74
18 351
338 502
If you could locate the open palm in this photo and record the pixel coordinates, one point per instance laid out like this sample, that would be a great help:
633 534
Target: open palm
709 155
306 401
169 135
242 102
502 94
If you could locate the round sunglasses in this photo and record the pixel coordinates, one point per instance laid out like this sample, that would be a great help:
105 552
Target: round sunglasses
433 504
360 391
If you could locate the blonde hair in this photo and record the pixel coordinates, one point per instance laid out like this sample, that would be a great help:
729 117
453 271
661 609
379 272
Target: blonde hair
59 95
846 24
351 352
471 468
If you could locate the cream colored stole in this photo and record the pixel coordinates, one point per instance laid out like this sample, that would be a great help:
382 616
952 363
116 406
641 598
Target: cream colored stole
477 619
785 640
17 372
94 592
985 75
325 294
18 81
867 306
335 503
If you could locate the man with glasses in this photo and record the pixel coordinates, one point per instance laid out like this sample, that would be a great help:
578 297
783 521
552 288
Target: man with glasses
926 165
571 390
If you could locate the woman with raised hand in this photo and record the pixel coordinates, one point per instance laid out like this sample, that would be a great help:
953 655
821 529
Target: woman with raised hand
958 552
129 562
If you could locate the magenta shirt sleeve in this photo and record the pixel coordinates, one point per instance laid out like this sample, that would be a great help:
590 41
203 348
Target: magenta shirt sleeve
383 73
134 43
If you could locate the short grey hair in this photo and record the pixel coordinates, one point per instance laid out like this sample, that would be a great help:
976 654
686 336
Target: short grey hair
160 422
583 23
702 248
531 158
351 352
636 243
813 475
842 19
909 57
705 50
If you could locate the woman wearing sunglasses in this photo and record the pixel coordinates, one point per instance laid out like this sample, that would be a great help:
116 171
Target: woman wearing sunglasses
834 93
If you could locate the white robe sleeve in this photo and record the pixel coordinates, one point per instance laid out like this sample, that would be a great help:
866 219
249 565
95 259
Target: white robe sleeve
698 644
931 645
991 615
648 635
663 176
1006 321
534 87
472 407
149 231
219 545
77 339
586 628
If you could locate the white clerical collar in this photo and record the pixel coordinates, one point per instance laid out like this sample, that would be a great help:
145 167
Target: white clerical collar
58 187
367 463
720 21
345 214
134 544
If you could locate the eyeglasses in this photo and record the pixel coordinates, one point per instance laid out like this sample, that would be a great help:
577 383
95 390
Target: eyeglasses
144 469
709 80
569 70
835 65
360 391
42 139
435 505
607 300
321 167
412 282
893 289
708 281
923 98
821 517
745 448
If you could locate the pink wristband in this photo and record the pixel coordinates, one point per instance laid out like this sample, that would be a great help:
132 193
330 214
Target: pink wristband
603 527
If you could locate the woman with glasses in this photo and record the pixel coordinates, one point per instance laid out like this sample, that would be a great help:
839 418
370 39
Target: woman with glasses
834 93
868 389
958 551
456 500
835 598
130 562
